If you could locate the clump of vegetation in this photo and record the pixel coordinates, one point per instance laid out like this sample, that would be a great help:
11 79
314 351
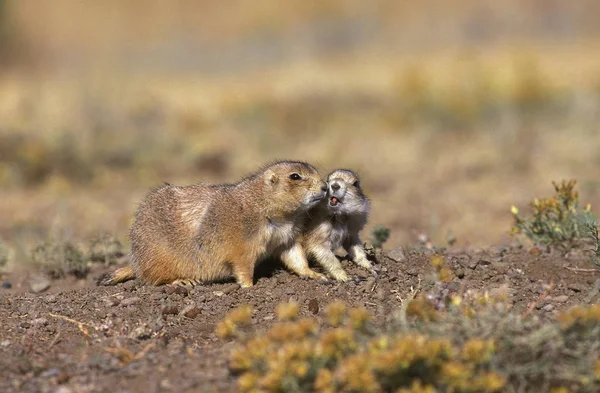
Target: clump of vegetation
439 341
105 248
592 228
556 221
3 255
61 258
58 259
379 236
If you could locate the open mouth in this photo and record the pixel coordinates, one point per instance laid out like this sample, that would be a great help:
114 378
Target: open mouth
333 201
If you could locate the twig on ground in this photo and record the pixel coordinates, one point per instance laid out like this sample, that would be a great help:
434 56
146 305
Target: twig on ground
539 299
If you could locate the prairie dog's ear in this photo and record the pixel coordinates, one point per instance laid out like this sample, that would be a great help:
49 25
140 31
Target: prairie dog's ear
271 178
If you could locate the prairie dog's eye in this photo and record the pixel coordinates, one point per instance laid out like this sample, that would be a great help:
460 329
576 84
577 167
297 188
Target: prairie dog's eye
295 176
356 184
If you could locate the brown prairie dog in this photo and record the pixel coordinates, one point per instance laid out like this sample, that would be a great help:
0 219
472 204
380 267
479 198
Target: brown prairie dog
336 222
205 232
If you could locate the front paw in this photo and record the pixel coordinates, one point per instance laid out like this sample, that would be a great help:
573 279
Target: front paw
340 275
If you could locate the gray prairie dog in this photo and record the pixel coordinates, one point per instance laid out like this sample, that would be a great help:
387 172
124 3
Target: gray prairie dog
336 222
205 232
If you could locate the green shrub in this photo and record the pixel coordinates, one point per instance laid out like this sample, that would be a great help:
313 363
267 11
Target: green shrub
555 221
59 259
379 236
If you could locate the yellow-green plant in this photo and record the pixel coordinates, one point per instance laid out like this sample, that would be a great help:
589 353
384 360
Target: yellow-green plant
474 343
557 220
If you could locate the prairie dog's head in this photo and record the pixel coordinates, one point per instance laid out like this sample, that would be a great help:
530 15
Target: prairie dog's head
344 193
294 186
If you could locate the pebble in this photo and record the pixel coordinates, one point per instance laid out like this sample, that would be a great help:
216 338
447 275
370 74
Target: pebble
472 263
51 298
313 306
460 273
230 288
129 285
158 296
50 372
561 298
130 301
397 254
5 343
6 285
141 332
39 284
112 301
63 389
548 307
191 311
576 287
170 289
169 310
181 290
40 322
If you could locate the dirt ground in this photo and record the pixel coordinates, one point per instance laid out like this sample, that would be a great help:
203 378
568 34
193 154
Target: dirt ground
77 337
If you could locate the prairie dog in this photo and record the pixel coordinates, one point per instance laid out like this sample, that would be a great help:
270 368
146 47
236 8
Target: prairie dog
206 232
336 222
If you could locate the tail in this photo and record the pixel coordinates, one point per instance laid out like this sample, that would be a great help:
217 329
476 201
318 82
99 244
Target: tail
119 275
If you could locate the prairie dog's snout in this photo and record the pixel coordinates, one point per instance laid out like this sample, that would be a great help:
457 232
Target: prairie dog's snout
337 188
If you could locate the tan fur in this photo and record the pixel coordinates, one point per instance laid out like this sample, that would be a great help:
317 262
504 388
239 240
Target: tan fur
329 227
208 232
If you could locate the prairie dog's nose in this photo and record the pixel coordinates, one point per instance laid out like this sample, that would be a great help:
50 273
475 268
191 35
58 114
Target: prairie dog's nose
335 186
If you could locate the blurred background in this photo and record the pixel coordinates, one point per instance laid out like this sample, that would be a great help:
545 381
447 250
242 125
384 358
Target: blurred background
451 111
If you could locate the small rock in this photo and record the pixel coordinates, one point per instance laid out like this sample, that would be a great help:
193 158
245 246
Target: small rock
181 290
5 343
157 325
218 293
165 384
50 372
128 285
112 301
51 298
201 299
269 317
548 307
157 296
130 301
313 306
230 288
561 298
63 389
460 273
397 254
371 281
472 263
141 332
6 285
39 284
170 289
576 287
191 311
169 310
40 322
